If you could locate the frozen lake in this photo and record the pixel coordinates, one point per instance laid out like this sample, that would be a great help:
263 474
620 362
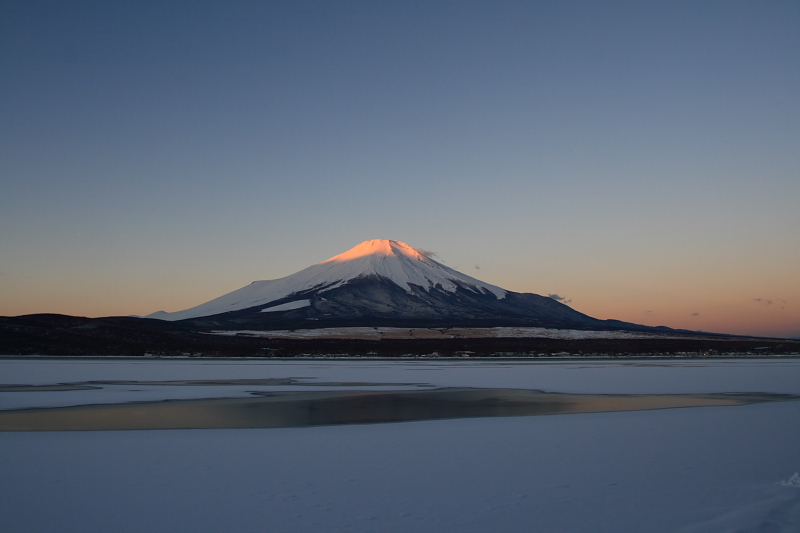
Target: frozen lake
714 468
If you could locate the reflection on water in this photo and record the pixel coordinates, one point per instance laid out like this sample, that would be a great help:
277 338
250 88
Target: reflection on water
269 382
317 408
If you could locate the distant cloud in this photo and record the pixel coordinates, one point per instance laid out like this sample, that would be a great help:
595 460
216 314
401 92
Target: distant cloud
427 253
477 267
562 299
648 312
695 314
764 301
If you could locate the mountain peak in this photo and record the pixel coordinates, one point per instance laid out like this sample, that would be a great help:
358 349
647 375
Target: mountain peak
379 247
392 261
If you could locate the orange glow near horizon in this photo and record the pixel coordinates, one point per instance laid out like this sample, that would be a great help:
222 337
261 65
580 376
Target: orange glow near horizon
736 313
733 297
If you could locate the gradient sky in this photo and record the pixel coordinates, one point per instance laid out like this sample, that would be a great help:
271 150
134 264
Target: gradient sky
639 159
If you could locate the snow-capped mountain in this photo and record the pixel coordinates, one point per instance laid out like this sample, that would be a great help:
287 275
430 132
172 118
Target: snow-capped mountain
394 261
379 282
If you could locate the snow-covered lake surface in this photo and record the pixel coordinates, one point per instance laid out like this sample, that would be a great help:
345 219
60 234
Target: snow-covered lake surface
689 469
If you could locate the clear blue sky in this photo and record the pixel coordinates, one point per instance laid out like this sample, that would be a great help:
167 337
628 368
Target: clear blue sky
641 159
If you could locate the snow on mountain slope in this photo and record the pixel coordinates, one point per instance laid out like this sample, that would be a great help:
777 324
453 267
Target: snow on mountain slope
297 304
393 260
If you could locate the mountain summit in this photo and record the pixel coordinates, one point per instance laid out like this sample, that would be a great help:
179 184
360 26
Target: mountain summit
380 283
403 265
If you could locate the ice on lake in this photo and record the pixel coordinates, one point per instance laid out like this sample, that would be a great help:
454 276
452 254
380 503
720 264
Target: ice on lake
723 468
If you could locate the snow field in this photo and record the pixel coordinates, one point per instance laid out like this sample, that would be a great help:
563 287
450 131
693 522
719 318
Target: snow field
718 469
707 469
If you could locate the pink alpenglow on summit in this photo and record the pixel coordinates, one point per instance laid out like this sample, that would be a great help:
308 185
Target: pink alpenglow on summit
378 247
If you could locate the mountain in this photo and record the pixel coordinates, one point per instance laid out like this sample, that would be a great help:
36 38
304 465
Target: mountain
382 283
391 261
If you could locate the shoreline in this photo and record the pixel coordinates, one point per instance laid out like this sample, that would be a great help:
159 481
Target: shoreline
338 357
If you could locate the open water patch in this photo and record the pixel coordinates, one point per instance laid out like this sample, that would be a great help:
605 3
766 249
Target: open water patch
280 409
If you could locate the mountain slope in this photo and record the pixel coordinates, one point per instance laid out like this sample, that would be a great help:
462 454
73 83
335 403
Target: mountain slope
392 260
381 283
